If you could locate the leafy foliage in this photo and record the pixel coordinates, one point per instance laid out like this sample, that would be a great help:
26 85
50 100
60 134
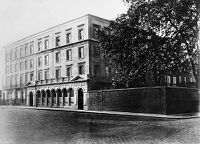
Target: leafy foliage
154 37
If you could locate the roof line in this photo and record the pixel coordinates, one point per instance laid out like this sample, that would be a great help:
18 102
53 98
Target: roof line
54 27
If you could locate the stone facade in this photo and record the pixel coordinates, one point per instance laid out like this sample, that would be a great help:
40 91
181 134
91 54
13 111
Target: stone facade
56 67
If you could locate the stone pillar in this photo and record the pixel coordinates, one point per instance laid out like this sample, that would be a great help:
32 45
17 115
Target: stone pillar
40 99
34 100
62 98
28 100
68 98
56 99
85 100
51 98
46 100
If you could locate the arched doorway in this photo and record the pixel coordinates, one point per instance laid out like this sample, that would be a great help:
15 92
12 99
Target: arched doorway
65 98
80 99
31 98
43 100
38 98
59 94
48 98
53 94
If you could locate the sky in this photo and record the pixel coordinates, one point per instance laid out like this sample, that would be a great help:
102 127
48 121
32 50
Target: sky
21 18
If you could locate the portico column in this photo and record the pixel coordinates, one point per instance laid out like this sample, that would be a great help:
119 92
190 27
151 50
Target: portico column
40 99
56 99
51 98
62 98
46 100
34 99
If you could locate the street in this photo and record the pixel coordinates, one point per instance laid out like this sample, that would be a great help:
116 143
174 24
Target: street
28 126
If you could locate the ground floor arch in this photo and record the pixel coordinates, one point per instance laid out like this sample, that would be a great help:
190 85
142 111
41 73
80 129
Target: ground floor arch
80 99
31 98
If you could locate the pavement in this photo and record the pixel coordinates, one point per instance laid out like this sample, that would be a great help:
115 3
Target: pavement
120 114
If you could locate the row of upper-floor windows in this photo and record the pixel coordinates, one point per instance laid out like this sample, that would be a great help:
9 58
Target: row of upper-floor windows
44 74
28 49
29 64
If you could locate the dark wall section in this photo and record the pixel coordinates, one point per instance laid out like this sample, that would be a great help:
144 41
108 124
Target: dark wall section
158 100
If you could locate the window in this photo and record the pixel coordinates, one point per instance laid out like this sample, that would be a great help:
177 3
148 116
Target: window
80 34
31 76
16 77
26 65
16 66
81 52
46 44
96 50
46 74
7 57
11 80
58 73
11 54
46 60
57 41
16 54
21 66
39 75
96 29
107 71
7 80
21 53
81 68
68 38
26 49
39 46
7 69
97 69
31 63
31 49
39 61
21 79
26 78
69 55
11 70
58 57
69 71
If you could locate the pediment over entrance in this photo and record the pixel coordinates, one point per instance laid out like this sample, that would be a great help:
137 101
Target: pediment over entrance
77 78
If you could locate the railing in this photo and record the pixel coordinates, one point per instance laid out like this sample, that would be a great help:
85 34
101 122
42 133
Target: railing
100 78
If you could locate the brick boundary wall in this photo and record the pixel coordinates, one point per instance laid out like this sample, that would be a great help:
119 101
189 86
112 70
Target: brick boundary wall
158 100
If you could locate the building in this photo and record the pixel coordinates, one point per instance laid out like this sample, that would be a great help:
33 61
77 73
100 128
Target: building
56 67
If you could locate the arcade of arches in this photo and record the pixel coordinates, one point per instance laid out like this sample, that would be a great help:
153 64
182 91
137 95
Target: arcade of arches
56 98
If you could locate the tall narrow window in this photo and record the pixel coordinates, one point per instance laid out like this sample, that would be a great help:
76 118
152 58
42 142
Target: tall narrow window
57 56
21 66
69 55
26 50
26 78
31 76
97 69
46 74
69 71
16 77
57 41
31 48
39 46
46 59
16 54
39 61
31 63
46 44
11 69
81 69
58 73
68 37
21 79
39 75
21 53
81 52
26 65
11 54
96 50
80 34
96 31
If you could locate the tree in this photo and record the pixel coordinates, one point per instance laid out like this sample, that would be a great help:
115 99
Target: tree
154 37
